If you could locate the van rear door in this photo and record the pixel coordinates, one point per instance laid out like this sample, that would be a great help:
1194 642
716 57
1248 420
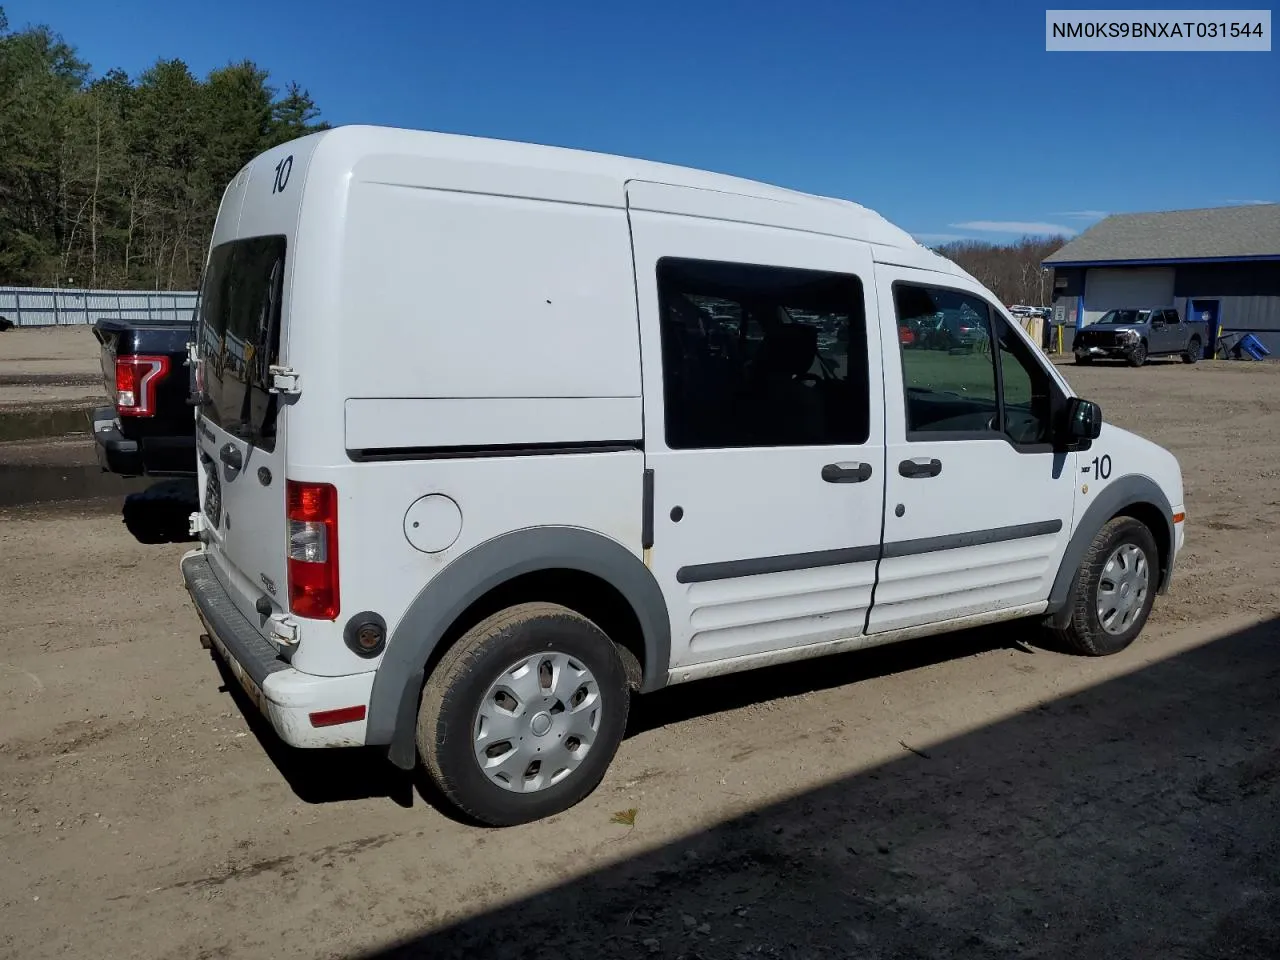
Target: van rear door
240 443
241 426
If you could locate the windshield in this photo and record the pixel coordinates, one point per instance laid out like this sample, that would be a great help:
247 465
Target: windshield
239 321
1125 316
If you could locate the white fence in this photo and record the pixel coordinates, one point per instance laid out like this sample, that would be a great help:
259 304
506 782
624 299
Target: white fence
53 307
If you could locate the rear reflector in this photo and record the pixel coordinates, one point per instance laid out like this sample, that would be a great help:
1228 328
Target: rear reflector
331 718
136 381
1179 517
313 549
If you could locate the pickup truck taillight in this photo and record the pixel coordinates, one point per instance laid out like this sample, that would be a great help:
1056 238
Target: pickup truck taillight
312 510
136 381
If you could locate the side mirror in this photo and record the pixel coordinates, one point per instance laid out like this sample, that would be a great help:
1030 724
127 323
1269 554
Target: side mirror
1084 419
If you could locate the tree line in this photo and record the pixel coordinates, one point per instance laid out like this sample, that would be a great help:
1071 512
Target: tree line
114 182
1011 271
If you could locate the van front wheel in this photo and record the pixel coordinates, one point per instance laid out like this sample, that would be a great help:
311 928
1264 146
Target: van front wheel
1113 590
523 715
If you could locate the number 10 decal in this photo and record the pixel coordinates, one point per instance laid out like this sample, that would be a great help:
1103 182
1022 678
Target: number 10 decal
283 169
1102 467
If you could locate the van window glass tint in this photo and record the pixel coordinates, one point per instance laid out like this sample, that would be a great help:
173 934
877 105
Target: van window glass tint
239 317
757 356
948 373
1028 391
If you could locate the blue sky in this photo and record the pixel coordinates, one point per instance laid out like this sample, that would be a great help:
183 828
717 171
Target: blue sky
950 121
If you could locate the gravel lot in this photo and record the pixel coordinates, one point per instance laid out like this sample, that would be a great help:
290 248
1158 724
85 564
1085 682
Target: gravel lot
956 796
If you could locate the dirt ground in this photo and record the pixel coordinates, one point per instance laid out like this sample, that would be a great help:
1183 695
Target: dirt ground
47 365
953 797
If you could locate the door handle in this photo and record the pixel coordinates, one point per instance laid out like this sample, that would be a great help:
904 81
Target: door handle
920 467
847 472
232 459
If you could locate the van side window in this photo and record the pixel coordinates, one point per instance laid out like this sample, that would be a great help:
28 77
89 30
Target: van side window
948 374
758 356
1026 389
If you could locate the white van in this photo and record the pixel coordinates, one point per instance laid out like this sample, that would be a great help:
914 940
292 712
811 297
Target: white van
492 435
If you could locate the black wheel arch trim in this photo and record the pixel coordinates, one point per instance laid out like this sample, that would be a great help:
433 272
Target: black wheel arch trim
1114 498
393 705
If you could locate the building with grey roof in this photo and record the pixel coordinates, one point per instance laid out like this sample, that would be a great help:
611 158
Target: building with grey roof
1219 264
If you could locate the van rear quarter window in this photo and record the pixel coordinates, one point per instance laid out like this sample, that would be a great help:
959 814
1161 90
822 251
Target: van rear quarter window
760 356
239 317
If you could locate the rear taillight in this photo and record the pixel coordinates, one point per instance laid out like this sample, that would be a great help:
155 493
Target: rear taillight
313 549
136 382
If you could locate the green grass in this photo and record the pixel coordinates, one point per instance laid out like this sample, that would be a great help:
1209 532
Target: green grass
968 374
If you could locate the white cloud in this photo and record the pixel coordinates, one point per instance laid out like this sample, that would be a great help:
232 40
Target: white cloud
1014 226
1084 214
940 237
1248 203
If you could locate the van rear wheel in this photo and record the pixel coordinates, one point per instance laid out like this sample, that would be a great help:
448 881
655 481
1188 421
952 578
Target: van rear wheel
523 715
1114 590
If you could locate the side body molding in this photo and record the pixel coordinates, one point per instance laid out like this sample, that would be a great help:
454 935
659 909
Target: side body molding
393 706
1112 499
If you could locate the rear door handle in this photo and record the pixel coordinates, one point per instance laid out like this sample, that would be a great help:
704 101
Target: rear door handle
920 467
232 459
848 472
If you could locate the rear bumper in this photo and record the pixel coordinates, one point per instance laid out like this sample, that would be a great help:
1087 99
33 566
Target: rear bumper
150 456
116 453
285 696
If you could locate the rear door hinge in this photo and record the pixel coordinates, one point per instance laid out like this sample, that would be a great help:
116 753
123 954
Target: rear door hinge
284 629
284 380
196 524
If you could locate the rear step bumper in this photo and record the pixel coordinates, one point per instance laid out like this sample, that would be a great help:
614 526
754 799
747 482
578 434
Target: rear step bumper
116 454
285 696
150 456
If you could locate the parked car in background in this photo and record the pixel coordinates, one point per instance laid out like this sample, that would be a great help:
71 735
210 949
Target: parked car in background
1134 334
949 330
149 430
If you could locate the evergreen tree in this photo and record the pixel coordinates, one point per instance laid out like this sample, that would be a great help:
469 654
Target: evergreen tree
114 181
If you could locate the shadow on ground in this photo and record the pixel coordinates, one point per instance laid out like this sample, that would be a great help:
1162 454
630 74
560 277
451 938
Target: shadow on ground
161 513
1140 818
336 776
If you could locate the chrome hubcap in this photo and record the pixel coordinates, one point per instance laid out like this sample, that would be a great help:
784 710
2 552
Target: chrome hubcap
537 722
1122 588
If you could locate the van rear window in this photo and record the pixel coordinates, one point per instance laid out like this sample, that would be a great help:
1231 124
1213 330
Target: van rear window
239 318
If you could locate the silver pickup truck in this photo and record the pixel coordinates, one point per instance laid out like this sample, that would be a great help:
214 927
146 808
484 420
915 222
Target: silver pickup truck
1138 333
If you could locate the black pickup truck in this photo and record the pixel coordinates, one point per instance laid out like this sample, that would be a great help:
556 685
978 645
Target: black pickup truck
150 430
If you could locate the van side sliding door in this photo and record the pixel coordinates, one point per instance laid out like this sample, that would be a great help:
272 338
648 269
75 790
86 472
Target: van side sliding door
763 406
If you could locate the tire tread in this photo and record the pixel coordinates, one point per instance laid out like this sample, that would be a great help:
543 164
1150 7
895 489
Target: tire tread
457 661
1079 634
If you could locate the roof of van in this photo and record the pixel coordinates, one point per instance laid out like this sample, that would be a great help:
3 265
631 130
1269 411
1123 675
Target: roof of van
851 220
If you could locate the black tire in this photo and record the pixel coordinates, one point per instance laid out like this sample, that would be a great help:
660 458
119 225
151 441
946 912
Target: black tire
1194 351
447 716
1138 356
1084 633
